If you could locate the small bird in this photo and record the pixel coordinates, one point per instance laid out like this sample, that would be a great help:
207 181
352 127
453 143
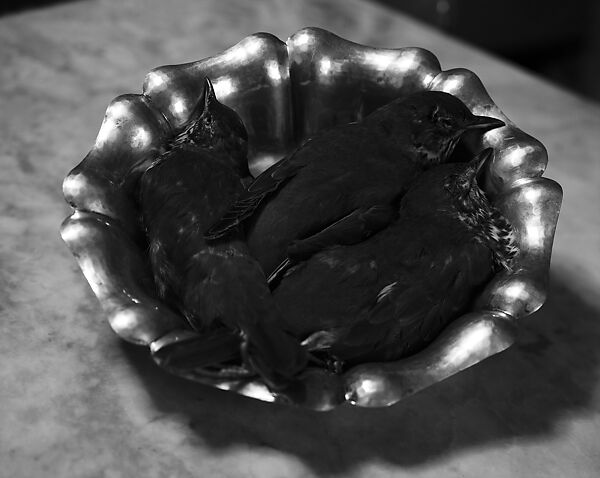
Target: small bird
344 185
218 284
390 295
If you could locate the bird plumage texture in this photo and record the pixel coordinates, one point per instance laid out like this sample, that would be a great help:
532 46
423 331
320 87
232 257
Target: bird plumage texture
390 295
214 284
343 185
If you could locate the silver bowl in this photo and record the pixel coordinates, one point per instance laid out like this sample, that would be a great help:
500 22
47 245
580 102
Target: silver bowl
286 92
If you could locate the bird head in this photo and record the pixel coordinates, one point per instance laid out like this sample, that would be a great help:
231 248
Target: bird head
217 128
452 190
436 121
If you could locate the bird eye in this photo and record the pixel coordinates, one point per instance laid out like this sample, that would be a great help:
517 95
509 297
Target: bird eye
440 120
445 123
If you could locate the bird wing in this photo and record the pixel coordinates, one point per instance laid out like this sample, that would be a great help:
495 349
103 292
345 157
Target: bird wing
269 181
225 285
327 291
411 310
351 229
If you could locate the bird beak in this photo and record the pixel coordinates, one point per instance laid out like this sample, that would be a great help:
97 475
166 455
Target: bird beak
484 123
205 99
209 93
476 164
481 159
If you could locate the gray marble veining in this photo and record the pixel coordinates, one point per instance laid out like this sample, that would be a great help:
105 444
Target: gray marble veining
77 402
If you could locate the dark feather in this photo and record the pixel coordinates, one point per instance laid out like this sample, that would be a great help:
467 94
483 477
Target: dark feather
217 285
349 168
245 205
417 307
351 229
389 296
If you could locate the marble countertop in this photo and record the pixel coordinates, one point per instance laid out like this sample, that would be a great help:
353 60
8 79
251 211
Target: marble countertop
77 401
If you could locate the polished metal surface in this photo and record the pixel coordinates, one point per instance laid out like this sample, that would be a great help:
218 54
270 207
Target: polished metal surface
285 93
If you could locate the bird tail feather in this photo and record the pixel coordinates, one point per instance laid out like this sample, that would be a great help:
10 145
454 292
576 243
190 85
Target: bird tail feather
208 349
272 353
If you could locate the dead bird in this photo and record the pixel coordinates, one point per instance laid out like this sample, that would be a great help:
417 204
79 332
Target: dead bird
219 284
390 295
344 185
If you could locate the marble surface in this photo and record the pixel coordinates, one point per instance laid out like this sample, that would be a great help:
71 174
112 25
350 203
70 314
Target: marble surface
76 401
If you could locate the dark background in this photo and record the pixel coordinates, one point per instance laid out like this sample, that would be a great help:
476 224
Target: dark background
557 39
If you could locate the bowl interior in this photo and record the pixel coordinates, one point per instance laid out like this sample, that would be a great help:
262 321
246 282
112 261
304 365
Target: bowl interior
286 92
